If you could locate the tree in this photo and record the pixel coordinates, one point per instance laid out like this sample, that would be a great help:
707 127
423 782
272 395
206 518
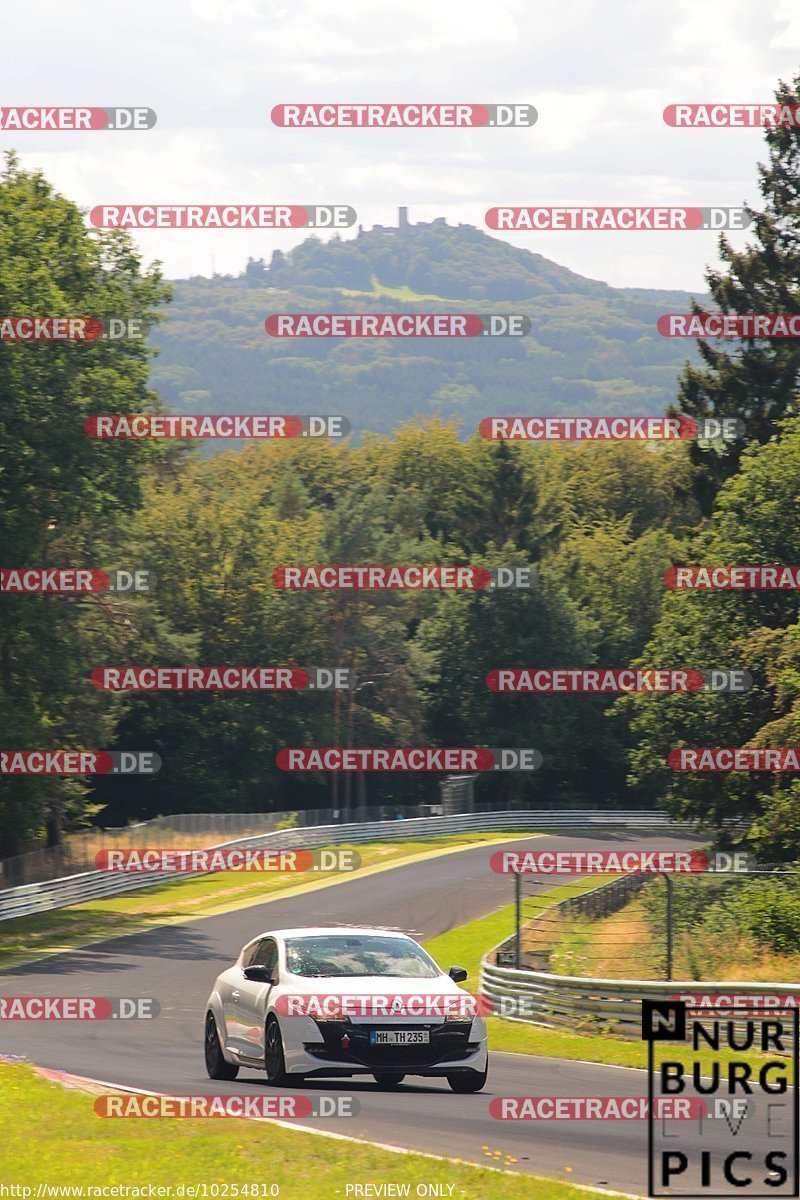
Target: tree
58 488
757 380
755 522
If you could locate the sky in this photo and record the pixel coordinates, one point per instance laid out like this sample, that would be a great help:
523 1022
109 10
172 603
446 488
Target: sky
599 75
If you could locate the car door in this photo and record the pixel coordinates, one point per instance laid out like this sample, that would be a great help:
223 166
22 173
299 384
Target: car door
251 1002
231 995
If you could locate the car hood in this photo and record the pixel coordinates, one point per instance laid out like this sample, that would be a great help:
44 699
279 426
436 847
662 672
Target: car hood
384 985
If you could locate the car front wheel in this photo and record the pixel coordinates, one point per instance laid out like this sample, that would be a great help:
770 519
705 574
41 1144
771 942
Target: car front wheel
216 1065
468 1081
274 1061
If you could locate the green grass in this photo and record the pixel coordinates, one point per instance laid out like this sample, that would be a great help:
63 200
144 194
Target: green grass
466 945
78 1148
394 293
26 938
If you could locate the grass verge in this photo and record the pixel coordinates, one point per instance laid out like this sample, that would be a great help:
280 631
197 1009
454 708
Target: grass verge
27 938
81 1149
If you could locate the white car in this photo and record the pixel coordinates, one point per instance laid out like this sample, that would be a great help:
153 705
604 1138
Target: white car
323 1001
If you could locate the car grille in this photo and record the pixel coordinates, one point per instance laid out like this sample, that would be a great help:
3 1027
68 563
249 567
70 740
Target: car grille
449 1042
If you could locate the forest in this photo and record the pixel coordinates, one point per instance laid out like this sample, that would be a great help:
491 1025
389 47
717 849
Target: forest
599 523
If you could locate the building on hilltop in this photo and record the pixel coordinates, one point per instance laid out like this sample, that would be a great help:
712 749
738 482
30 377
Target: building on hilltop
403 224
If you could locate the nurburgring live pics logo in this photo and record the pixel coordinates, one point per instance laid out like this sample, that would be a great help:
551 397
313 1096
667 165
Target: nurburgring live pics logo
214 425
609 429
75 119
622 219
405 116
400 325
415 759
222 216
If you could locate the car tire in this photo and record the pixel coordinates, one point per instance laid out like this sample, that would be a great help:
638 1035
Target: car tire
464 1082
274 1061
216 1065
387 1079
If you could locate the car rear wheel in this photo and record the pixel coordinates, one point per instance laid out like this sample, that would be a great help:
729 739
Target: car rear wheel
468 1081
387 1079
216 1065
274 1061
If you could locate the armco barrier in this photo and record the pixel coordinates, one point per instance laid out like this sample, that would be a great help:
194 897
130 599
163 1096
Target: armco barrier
76 889
597 1005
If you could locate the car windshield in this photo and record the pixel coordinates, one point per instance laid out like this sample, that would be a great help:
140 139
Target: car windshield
346 955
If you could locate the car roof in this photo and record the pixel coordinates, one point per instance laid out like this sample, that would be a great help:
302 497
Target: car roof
332 930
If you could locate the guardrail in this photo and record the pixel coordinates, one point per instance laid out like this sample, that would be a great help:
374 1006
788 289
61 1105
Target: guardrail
598 1005
32 898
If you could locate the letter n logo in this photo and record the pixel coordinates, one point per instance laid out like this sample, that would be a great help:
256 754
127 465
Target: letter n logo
663 1020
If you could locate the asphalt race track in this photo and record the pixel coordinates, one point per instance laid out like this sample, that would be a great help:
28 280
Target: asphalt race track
178 964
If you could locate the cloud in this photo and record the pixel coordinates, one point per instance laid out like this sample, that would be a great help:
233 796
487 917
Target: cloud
213 69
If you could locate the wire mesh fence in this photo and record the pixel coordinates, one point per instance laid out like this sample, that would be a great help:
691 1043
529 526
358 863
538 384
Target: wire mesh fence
189 831
712 926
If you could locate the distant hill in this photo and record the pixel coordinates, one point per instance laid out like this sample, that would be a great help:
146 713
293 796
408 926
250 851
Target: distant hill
593 349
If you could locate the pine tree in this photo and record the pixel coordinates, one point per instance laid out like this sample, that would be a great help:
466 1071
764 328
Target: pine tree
754 380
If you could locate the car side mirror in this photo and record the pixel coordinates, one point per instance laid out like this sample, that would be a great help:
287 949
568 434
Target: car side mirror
259 974
457 974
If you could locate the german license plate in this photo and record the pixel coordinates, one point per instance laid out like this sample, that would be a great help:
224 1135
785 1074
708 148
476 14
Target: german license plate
399 1037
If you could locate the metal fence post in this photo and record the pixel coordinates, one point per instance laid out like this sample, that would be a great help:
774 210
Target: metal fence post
518 919
669 931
